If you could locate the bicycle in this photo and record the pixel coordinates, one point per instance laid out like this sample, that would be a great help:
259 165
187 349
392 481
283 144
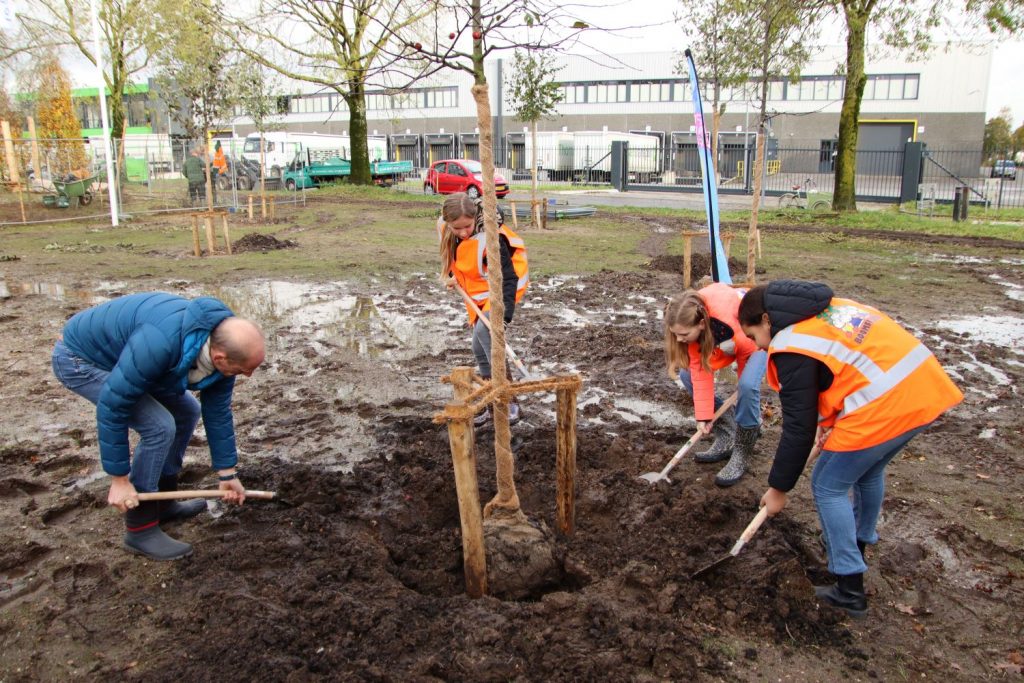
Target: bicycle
800 198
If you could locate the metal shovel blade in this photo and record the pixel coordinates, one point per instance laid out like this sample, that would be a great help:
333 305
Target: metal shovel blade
705 570
654 477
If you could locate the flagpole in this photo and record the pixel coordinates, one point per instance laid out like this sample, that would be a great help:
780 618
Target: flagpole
108 150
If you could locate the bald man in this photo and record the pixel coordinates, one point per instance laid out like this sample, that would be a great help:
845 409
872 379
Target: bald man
137 358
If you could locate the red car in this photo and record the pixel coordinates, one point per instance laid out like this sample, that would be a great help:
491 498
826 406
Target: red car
460 175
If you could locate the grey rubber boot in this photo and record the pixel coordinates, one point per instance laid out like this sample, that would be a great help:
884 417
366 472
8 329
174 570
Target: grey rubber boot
177 510
724 431
144 536
742 452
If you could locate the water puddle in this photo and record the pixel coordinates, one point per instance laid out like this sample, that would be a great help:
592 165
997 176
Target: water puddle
1013 290
1000 330
104 291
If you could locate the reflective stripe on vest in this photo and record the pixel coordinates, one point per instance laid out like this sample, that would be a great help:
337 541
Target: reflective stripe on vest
879 381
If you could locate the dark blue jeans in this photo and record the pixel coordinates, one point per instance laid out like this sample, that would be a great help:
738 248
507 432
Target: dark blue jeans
165 422
845 521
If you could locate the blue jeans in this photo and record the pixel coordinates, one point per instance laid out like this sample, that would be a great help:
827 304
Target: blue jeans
748 404
165 422
482 347
844 522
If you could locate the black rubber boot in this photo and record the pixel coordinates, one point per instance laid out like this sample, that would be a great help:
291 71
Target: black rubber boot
847 593
742 453
724 432
177 510
144 536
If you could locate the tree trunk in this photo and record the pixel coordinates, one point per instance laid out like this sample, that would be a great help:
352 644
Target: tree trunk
845 192
506 500
355 98
206 168
758 184
716 122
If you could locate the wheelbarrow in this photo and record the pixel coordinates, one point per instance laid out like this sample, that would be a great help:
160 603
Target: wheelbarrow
68 190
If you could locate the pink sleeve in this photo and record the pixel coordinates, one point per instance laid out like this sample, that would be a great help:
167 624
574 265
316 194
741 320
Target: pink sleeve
703 387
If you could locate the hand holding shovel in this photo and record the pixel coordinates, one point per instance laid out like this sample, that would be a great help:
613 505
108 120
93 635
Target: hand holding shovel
655 477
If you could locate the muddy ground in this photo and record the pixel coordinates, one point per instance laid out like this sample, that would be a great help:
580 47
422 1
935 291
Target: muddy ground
355 573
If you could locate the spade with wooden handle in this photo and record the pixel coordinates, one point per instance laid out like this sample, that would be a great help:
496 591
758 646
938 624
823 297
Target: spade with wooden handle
205 493
520 365
655 477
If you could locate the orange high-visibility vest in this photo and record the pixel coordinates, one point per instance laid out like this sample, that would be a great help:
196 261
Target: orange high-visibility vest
471 272
885 381
722 302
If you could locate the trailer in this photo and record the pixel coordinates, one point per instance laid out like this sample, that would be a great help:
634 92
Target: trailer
280 148
592 156
305 172
555 154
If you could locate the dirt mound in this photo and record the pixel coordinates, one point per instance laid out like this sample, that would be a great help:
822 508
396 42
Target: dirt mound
700 265
255 241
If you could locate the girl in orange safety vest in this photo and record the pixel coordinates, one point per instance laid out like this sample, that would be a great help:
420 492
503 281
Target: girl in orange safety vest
464 258
702 335
846 367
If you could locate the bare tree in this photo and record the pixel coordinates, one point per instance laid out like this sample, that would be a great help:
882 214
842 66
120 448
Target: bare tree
708 23
491 27
339 46
773 39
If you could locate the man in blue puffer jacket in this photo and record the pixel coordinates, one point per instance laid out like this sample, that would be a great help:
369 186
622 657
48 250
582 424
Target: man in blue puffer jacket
137 358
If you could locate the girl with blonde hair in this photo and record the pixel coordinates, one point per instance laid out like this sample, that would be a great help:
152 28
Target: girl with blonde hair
464 261
702 335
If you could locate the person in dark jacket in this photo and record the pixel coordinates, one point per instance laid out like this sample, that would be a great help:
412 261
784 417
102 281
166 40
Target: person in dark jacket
464 261
136 358
194 170
868 385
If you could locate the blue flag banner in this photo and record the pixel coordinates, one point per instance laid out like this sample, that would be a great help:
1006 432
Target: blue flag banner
719 259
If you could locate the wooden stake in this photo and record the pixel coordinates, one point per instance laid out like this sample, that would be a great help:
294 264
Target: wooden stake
460 438
515 219
35 150
12 166
544 214
273 209
211 243
196 249
687 259
565 460
250 207
227 234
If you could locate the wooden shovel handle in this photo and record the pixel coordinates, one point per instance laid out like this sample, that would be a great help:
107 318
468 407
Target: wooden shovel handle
487 323
205 493
754 525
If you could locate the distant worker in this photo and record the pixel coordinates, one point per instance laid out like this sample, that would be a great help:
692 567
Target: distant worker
703 335
220 162
846 367
137 358
194 171
464 262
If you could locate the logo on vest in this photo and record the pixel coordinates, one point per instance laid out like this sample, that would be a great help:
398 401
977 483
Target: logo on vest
850 320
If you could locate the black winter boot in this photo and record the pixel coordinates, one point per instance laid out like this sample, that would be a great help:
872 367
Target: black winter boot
742 453
847 593
177 510
143 534
724 431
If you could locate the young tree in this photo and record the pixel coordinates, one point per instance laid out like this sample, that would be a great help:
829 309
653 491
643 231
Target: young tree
258 101
907 26
194 71
58 129
1018 140
492 26
997 138
128 32
708 23
338 46
772 39
534 96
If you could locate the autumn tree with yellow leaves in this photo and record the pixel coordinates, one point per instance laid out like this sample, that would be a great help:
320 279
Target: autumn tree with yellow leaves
58 129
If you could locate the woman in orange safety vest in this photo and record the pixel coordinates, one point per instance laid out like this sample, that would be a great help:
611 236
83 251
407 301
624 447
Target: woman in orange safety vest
849 369
702 335
464 258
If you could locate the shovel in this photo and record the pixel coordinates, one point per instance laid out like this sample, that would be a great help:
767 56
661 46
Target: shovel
206 493
487 323
655 477
747 534
758 520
